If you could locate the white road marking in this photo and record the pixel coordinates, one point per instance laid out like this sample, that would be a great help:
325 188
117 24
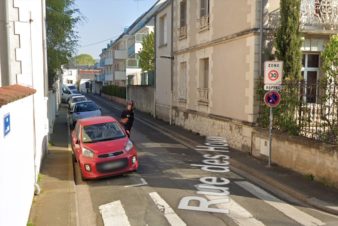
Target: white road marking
287 209
237 213
144 182
168 212
113 214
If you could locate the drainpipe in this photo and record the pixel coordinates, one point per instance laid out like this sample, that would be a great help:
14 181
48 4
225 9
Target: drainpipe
36 185
154 76
261 28
171 64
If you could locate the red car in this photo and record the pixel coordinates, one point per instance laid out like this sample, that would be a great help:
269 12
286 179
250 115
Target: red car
102 148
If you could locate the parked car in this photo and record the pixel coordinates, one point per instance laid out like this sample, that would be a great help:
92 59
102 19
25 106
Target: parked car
67 91
75 99
72 88
102 148
82 110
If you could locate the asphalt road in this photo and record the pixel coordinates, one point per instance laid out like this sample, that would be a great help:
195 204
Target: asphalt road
167 175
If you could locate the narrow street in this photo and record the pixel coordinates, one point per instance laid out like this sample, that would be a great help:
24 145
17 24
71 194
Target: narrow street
151 196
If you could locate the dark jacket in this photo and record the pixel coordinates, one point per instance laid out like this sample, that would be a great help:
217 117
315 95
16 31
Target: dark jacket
130 116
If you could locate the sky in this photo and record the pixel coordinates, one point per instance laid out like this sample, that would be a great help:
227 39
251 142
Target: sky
105 20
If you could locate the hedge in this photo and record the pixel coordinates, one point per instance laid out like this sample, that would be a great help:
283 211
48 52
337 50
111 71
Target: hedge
115 91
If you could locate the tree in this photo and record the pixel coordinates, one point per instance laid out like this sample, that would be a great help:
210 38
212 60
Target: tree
288 39
147 54
288 49
84 60
329 83
61 19
329 59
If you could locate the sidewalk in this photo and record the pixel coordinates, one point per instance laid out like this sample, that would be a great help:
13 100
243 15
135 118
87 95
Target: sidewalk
56 203
278 180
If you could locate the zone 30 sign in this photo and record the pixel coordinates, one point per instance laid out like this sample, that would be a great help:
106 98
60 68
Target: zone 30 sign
273 73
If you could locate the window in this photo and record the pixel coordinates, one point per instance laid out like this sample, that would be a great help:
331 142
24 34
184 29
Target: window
163 30
204 80
182 81
310 73
183 20
204 73
204 10
183 13
204 14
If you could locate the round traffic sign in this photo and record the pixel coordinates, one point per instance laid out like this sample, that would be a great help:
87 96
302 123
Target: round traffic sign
272 98
273 75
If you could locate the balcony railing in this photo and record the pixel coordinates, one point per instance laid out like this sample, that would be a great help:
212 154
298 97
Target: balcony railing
182 32
319 15
316 16
182 94
203 95
204 23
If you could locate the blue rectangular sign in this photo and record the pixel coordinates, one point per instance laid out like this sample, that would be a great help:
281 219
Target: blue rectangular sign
7 124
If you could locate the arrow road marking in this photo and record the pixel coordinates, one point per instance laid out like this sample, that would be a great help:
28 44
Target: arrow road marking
290 211
113 214
144 182
168 212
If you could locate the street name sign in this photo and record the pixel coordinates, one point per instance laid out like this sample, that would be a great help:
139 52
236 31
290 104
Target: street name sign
7 124
273 73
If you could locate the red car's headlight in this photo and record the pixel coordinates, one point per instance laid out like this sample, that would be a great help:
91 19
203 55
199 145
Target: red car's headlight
129 145
88 153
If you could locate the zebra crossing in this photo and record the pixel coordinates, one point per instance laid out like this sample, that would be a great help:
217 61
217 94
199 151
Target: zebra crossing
114 214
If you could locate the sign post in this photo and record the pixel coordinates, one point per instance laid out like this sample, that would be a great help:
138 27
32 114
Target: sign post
273 75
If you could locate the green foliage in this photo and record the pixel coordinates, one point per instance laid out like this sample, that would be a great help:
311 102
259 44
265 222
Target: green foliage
147 54
61 19
330 59
285 113
288 49
329 81
115 91
288 39
84 60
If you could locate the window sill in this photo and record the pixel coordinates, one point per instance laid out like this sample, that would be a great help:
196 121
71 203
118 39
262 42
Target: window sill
182 37
203 102
182 100
204 28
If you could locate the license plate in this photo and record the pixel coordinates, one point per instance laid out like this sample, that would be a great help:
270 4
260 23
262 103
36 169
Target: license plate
112 165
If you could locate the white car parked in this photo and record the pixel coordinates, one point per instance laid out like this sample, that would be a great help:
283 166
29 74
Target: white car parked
85 109
67 91
75 99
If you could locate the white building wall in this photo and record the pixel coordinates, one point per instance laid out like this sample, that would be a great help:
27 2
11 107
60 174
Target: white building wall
69 75
17 177
28 139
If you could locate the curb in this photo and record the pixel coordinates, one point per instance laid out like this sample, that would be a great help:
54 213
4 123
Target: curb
77 220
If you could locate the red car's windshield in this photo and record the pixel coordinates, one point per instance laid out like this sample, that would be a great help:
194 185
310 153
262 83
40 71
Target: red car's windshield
102 132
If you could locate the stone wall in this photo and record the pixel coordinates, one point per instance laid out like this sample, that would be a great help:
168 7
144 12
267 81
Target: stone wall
143 96
299 154
302 155
115 99
237 133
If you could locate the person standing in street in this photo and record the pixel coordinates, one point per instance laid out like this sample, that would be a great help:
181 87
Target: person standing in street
127 117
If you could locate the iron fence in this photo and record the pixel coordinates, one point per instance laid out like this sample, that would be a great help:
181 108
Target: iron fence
308 109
